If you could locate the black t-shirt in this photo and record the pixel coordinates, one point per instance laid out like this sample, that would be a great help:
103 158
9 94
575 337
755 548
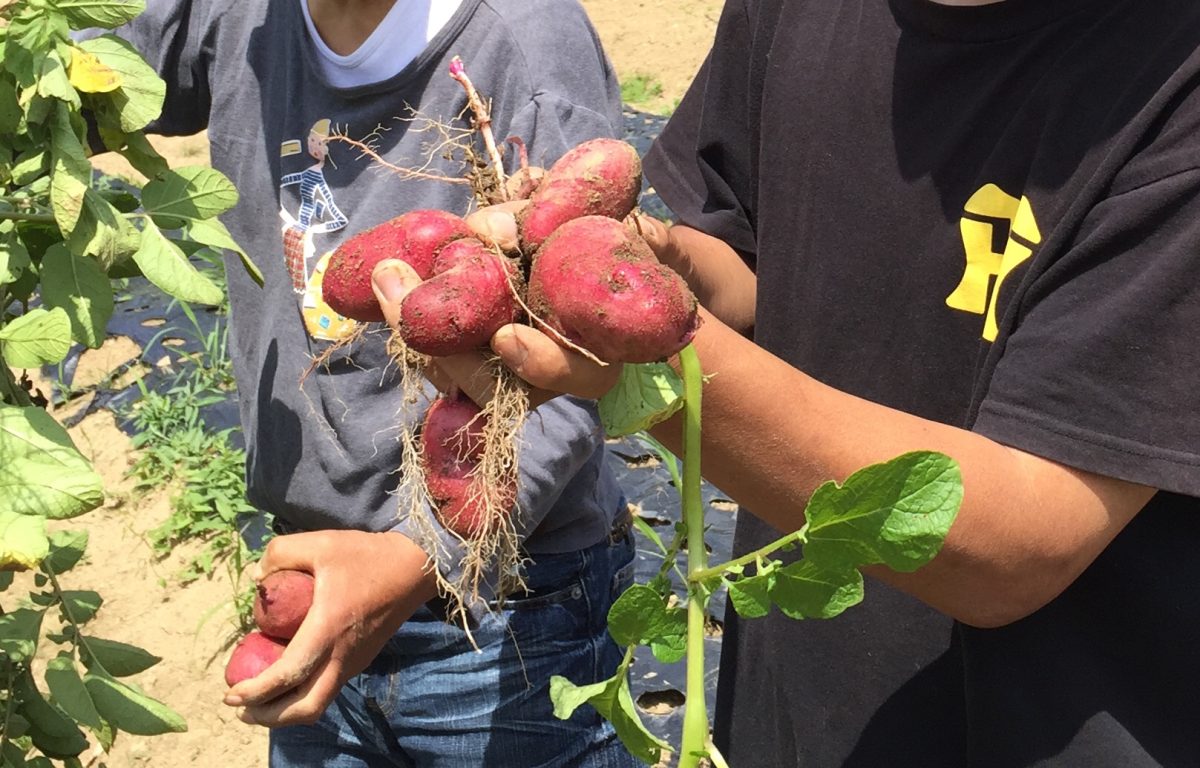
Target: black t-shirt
989 217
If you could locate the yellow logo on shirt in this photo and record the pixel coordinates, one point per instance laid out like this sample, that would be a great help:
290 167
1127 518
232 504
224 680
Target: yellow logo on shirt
989 208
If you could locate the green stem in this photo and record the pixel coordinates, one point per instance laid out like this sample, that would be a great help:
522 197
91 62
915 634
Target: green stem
695 717
715 756
796 537
66 610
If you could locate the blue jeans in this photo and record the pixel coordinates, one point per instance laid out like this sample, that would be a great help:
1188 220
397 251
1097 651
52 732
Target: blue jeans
430 700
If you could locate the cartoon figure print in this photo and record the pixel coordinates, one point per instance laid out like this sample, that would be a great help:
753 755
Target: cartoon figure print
317 214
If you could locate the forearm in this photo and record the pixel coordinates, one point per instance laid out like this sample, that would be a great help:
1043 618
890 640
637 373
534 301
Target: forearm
1027 526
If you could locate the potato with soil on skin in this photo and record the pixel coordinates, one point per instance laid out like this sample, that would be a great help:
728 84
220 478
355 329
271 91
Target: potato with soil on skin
463 303
253 654
601 177
281 601
452 445
600 286
415 237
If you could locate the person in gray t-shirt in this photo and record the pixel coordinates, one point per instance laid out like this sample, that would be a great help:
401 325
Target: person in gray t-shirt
275 83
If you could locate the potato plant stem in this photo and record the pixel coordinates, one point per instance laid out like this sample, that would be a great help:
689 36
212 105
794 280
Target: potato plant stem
695 717
46 218
795 537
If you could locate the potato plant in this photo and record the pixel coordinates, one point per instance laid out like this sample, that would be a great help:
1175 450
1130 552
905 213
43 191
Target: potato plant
64 236
896 514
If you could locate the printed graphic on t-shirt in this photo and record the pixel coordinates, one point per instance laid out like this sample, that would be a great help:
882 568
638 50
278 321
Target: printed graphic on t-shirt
317 214
999 233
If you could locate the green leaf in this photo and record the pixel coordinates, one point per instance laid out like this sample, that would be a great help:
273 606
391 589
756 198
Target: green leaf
641 616
79 287
81 604
53 732
140 97
14 256
68 691
54 83
10 109
66 550
212 232
110 14
30 36
41 472
103 232
129 709
71 173
188 194
896 513
142 155
751 596
166 265
648 531
646 394
30 165
805 590
611 698
23 541
115 658
38 337
19 633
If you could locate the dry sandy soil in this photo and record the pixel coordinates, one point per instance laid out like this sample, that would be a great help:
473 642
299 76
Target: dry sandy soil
191 626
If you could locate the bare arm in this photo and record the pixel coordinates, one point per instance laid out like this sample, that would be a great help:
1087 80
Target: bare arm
1027 528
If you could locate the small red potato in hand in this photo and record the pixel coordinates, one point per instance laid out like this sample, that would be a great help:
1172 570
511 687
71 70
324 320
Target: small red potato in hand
281 601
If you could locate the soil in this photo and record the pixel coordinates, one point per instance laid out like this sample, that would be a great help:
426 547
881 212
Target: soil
191 625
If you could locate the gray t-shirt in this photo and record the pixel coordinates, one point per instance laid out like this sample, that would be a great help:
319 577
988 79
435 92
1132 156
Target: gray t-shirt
322 448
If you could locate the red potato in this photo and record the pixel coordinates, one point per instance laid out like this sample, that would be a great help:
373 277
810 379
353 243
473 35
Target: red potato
466 300
601 177
414 237
452 445
252 655
281 602
598 284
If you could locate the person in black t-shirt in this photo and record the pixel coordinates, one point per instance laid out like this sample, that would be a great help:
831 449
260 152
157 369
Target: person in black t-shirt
915 225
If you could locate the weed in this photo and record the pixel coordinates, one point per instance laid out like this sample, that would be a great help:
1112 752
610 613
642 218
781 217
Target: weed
641 88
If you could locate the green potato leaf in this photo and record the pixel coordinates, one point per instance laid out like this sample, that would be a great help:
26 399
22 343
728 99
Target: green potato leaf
80 288
109 14
20 631
646 394
751 596
641 616
71 173
166 265
804 590
611 698
52 731
896 513
129 709
38 337
188 194
69 693
212 232
14 256
81 605
115 658
66 550
103 232
41 472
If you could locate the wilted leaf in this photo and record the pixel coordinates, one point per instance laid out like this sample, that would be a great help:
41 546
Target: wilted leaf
23 541
90 75
140 97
